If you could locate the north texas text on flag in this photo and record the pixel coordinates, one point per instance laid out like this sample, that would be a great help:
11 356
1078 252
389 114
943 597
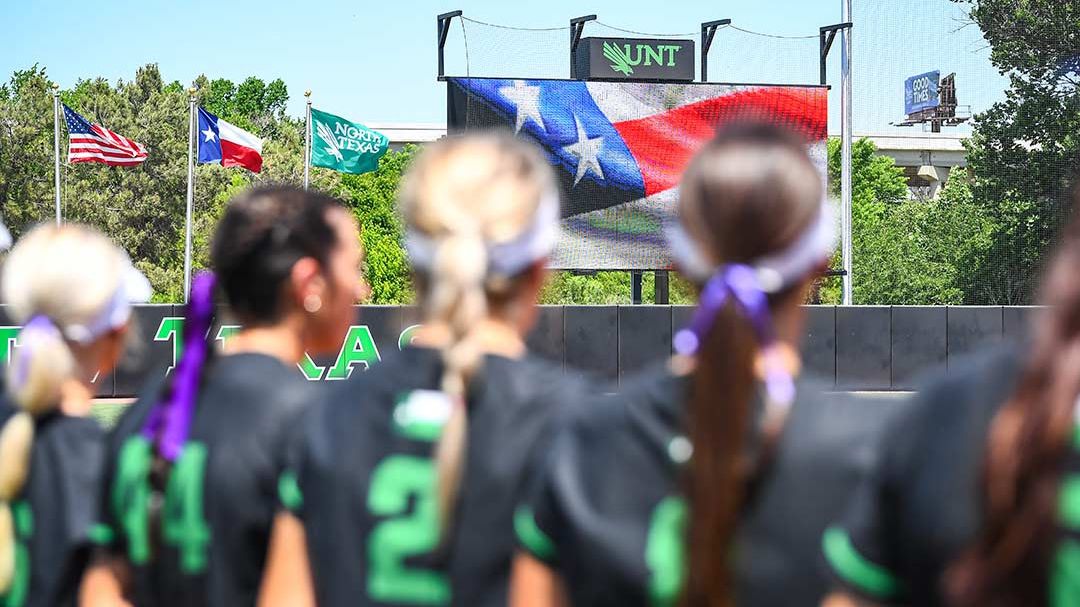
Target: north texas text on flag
343 145
220 141
93 143
619 149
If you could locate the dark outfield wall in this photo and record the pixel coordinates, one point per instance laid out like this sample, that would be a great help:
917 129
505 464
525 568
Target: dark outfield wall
858 348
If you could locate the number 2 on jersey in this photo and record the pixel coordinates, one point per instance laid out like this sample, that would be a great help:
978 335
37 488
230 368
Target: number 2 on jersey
183 524
394 481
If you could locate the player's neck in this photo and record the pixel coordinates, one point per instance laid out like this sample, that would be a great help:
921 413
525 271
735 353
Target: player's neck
279 341
492 336
76 398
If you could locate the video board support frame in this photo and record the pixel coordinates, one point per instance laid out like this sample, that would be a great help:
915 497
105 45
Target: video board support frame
577 27
442 25
826 35
708 31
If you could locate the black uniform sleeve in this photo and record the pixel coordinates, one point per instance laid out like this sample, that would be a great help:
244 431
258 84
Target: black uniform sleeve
295 458
538 515
558 470
862 550
105 532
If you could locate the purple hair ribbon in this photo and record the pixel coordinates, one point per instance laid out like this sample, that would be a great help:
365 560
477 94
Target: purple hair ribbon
740 283
38 324
170 420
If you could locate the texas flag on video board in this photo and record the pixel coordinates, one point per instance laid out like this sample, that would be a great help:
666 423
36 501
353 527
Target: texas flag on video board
619 148
222 142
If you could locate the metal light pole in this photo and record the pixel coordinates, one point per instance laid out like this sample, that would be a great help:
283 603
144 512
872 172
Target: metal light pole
845 154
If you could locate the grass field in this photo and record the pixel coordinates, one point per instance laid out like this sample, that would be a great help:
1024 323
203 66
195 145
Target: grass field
107 411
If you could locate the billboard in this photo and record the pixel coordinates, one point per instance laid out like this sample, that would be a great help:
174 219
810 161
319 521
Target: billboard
922 92
619 149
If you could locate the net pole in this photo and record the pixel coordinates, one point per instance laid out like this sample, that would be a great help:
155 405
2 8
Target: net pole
56 149
189 207
307 142
845 154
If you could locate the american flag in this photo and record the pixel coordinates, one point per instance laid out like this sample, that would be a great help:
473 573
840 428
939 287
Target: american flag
94 143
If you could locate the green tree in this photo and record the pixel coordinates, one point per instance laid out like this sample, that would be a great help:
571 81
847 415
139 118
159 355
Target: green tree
1023 149
908 251
143 207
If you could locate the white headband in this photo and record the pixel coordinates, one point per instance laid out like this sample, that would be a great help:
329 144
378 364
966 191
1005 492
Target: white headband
774 271
505 258
133 288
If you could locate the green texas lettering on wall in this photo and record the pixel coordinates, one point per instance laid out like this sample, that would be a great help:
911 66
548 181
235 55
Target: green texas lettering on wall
358 350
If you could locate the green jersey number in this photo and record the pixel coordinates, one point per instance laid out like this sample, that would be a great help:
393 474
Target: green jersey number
183 526
664 551
19 589
395 483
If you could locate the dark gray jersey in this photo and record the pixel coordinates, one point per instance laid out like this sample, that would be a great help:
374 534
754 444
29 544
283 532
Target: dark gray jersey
609 514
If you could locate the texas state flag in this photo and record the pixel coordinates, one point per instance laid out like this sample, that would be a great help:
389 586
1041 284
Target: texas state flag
224 143
619 149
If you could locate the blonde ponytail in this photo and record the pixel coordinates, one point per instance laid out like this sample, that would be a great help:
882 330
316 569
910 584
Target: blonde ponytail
38 368
16 438
464 197
54 277
458 300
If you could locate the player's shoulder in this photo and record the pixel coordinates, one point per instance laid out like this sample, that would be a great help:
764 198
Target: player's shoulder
970 390
531 381
951 412
647 405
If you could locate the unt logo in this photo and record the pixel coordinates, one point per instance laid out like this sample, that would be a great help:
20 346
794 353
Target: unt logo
622 61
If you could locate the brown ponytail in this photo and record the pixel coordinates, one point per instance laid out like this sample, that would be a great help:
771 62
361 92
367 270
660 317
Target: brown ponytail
1008 563
716 474
750 192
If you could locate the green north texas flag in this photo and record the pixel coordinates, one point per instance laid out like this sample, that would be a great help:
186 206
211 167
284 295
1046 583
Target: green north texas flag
345 146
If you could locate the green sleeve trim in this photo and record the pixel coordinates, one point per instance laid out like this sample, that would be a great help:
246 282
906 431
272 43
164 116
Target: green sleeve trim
1065 575
289 491
531 536
1069 502
855 569
24 518
101 534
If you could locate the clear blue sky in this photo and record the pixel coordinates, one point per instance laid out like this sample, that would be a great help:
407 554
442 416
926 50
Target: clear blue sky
375 61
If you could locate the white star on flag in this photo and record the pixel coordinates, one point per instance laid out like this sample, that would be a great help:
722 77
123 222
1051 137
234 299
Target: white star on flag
209 134
526 100
587 152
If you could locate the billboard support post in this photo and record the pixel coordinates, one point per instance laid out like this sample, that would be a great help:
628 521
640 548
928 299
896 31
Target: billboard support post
661 287
708 31
636 277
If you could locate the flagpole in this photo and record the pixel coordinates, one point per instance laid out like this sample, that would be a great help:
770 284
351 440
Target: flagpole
56 148
307 141
192 122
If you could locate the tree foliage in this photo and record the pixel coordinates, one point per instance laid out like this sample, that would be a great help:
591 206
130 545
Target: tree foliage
1023 149
143 208
980 242
904 251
